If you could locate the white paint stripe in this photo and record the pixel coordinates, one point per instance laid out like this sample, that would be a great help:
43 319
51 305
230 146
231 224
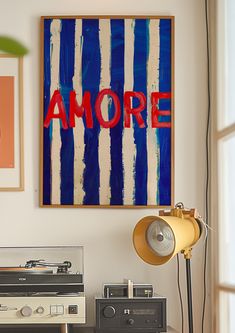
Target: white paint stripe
104 136
56 139
78 131
152 85
129 147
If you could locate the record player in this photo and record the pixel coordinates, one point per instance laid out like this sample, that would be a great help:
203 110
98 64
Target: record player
42 285
36 276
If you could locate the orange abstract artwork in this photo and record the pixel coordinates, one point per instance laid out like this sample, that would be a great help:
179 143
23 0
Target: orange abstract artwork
7 122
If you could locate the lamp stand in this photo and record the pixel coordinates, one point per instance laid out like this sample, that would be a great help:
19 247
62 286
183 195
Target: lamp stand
189 294
187 257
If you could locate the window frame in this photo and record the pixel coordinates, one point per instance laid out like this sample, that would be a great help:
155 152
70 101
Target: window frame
218 133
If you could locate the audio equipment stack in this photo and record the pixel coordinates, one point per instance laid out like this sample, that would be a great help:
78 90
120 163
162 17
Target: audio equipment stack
120 311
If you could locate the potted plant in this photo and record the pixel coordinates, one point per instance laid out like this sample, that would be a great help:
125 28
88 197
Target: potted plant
12 46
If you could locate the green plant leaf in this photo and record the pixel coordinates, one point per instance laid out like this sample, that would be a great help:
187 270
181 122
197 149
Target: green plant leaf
12 46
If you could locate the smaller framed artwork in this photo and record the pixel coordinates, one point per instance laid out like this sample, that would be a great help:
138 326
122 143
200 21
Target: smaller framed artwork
11 123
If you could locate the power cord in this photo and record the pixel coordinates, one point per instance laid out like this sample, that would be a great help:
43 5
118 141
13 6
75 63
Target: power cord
207 163
207 185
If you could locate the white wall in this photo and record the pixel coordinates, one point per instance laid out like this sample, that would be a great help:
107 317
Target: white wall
107 234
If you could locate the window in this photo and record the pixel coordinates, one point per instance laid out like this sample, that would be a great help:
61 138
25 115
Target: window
223 190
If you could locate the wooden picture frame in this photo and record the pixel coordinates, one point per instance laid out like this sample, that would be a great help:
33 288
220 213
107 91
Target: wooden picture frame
11 123
107 111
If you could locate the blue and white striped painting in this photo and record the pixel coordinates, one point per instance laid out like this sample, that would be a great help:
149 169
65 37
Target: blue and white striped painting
107 111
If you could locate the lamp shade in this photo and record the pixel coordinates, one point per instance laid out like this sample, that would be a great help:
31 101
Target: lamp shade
157 239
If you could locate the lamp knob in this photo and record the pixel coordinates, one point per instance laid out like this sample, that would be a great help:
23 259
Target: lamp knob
109 311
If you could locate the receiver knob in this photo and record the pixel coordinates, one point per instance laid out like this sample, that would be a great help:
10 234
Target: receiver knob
130 321
40 310
26 311
109 311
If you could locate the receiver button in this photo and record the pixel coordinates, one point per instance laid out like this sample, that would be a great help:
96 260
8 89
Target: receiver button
73 309
59 309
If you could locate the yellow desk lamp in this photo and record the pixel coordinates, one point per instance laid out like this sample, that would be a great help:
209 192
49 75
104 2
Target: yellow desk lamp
157 239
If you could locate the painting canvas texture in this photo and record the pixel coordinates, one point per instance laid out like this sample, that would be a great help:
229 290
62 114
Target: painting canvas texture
107 111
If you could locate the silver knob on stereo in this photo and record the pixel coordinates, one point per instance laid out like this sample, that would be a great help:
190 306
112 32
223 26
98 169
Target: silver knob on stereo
40 310
26 311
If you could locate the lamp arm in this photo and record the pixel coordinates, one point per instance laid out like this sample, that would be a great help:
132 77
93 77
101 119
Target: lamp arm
187 253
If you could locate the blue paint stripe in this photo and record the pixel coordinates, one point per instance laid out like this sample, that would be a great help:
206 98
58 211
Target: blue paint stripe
164 134
91 63
46 131
140 84
67 47
117 85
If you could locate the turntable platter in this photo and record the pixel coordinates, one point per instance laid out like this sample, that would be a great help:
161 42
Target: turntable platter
24 270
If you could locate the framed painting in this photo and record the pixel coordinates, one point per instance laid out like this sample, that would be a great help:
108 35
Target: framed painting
107 111
11 123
